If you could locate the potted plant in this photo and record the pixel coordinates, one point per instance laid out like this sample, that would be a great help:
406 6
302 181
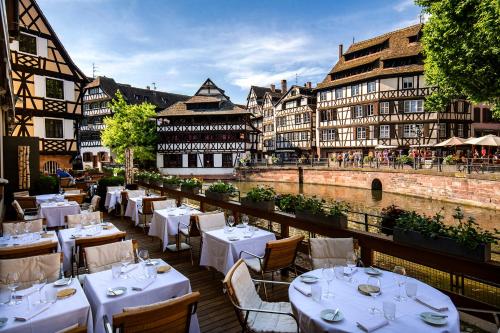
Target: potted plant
389 216
260 197
191 185
287 202
466 240
220 191
337 213
171 182
156 179
316 210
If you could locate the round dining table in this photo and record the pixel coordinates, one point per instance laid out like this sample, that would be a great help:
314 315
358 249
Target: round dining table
355 306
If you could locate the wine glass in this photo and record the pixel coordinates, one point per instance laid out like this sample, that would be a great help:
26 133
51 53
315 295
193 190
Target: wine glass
351 261
374 292
27 227
125 261
230 221
245 220
40 282
12 284
400 277
328 275
143 255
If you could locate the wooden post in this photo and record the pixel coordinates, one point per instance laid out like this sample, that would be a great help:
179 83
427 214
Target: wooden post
23 167
129 166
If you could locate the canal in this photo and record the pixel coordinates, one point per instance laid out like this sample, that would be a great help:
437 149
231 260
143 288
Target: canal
374 201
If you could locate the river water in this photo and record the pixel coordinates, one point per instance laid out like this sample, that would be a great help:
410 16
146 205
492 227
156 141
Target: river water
373 201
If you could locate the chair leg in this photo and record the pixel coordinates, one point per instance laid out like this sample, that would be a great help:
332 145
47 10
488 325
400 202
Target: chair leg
265 288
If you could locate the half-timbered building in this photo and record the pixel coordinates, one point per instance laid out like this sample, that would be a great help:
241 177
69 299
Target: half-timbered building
96 99
294 123
49 89
205 135
374 95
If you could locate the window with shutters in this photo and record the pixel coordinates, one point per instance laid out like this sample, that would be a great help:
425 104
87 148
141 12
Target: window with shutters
227 160
369 110
27 44
358 111
192 160
172 161
385 131
414 106
328 134
323 96
54 128
339 93
384 108
298 119
355 90
371 87
307 118
413 130
54 88
360 132
408 82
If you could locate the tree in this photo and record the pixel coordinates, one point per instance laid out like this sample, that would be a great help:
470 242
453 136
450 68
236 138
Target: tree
461 44
131 128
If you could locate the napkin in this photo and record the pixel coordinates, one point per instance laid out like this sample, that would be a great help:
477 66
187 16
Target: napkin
372 323
141 285
435 305
305 290
32 313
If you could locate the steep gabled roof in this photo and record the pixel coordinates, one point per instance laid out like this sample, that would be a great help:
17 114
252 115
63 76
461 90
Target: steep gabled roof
209 88
303 91
260 93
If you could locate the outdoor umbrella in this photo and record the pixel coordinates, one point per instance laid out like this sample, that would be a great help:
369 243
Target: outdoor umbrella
487 140
385 147
453 141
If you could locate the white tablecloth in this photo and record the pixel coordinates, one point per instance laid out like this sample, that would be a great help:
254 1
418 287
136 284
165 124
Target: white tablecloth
54 214
165 222
45 197
62 314
133 208
220 253
112 198
355 306
67 242
167 285
23 240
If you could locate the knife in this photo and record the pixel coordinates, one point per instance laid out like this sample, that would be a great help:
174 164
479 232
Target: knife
335 313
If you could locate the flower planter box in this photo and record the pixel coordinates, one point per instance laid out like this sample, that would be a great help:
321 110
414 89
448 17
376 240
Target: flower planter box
337 221
158 183
441 244
191 190
267 206
171 186
217 195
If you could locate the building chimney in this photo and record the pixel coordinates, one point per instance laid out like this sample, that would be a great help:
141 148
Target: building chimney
341 50
283 86
309 85
273 87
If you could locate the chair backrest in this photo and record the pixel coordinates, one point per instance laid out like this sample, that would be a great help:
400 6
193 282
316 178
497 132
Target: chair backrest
84 219
240 287
72 191
49 264
19 210
21 251
10 227
330 251
210 221
81 244
79 198
101 257
94 202
147 204
281 253
170 203
76 328
173 316
136 193
21 194
27 202
65 181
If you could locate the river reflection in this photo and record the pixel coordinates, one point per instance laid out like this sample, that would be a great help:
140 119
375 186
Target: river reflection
373 201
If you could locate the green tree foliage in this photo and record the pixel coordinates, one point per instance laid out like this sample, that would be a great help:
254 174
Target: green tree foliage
462 48
130 127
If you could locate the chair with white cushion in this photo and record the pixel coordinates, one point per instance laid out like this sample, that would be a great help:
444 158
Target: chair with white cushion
49 264
254 314
21 194
83 219
207 222
100 258
26 214
164 204
330 251
93 206
11 228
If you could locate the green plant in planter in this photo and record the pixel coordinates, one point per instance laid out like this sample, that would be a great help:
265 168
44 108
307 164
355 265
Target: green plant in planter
337 208
312 205
222 187
287 202
404 159
191 183
428 226
172 180
468 233
155 177
389 216
261 193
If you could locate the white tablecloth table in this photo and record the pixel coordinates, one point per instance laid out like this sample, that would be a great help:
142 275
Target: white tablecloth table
166 286
23 240
55 213
62 314
112 198
45 197
165 222
355 306
220 253
68 242
133 205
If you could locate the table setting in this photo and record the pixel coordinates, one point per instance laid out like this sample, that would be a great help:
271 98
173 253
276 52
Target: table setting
54 197
28 238
124 285
113 197
54 212
133 206
346 299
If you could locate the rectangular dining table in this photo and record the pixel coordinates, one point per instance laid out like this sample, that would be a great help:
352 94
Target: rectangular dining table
29 239
166 286
221 253
46 197
54 212
133 206
62 314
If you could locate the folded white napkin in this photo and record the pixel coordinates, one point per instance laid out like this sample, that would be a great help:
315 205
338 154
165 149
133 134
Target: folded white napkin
305 290
141 285
32 313
435 305
350 271
25 292
371 324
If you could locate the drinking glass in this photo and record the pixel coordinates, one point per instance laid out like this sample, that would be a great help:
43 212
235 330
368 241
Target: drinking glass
12 284
411 290
230 221
374 281
339 272
245 220
351 260
40 282
151 272
116 270
143 255
5 296
125 261
389 310
400 277
316 292
328 275
27 227
51 295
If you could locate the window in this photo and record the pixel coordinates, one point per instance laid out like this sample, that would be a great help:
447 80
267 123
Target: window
360 133
304 136
192 160
358 111
86 107
323 95
384 108
87 157
442 130
290 105
172 161
307 118
460 130
385 131
371 87
328 135
93 91
328 115
339 93
355 91
227 160
414 106
280 121
104 105
369 110
54 128
54 88
298 119
27 44
412 130
208 160
408 82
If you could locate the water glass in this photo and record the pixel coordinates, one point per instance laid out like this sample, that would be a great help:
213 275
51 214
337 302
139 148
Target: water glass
50 295
411 289
230 220
116 270
4 295
339 272
389 310
328 275
316 292
151 272
245 220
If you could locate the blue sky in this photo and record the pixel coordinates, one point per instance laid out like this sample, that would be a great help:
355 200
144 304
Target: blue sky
178 44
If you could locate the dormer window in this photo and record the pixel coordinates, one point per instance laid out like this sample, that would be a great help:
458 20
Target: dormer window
27 44
293 93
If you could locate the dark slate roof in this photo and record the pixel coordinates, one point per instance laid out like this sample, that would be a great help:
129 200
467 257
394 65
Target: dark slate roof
260 93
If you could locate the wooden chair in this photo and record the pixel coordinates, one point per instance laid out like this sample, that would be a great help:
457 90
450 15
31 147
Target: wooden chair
280 254
79 198
188 231
170 203
172 316
254 314
330 251
27 202
94 204
25 214
82 186
146 210
209 221
65 182
49 264
101 257
84 219
35 226
22 251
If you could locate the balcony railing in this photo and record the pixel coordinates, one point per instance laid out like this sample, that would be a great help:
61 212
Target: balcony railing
57 146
